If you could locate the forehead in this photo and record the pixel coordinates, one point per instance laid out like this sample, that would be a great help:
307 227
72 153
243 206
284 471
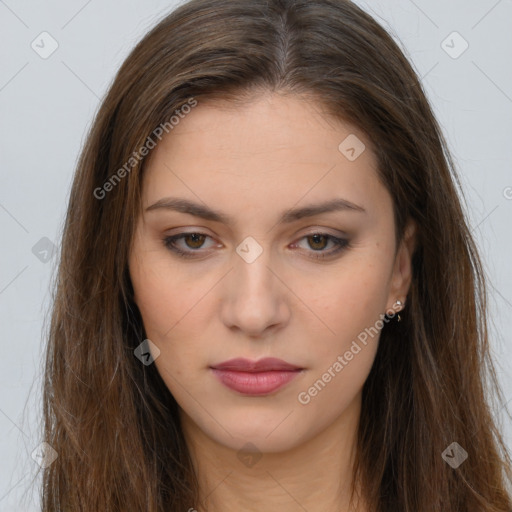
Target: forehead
271 152
270 126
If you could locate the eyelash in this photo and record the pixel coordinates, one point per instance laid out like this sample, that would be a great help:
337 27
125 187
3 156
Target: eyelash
341 244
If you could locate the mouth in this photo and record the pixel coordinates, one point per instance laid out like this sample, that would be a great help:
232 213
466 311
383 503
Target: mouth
255 378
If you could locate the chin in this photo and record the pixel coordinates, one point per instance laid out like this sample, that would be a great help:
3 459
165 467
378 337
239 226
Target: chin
257 432
259 441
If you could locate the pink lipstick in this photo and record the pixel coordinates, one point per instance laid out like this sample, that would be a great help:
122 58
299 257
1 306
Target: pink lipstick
255 377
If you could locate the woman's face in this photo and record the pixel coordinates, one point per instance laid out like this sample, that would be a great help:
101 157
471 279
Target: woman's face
265 273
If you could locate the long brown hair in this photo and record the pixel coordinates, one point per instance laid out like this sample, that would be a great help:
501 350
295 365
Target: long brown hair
112 420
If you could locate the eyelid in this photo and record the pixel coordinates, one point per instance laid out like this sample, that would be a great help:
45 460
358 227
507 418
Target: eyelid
312 230
170 241
318 230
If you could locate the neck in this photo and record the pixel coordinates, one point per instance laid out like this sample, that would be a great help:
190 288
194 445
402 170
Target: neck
316 475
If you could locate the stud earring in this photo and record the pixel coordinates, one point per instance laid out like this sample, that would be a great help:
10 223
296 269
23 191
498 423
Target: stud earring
399 303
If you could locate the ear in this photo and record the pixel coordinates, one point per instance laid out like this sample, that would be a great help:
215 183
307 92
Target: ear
401 276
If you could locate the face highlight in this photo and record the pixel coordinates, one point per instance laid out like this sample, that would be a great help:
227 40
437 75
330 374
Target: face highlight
260 238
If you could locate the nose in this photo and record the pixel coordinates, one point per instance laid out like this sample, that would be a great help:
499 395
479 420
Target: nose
255 299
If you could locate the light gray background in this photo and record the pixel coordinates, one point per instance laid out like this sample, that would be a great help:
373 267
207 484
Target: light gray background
48 104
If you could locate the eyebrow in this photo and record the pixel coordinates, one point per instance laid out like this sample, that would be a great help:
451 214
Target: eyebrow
288 216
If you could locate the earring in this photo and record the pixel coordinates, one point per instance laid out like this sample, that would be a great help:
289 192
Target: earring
399 303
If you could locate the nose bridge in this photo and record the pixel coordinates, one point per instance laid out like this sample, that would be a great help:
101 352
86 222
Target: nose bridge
254 298
252 273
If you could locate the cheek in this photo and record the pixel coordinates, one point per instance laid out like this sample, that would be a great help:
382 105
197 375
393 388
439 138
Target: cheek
174 310
166 298
351 307
352 300
156 299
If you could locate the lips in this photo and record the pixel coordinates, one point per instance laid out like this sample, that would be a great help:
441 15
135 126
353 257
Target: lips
255 377
268 364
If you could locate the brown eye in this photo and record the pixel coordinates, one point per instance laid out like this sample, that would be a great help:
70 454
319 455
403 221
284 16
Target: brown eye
192 243
317 241
197 240
317 245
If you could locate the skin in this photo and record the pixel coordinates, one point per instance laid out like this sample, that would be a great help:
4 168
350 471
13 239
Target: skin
252 162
